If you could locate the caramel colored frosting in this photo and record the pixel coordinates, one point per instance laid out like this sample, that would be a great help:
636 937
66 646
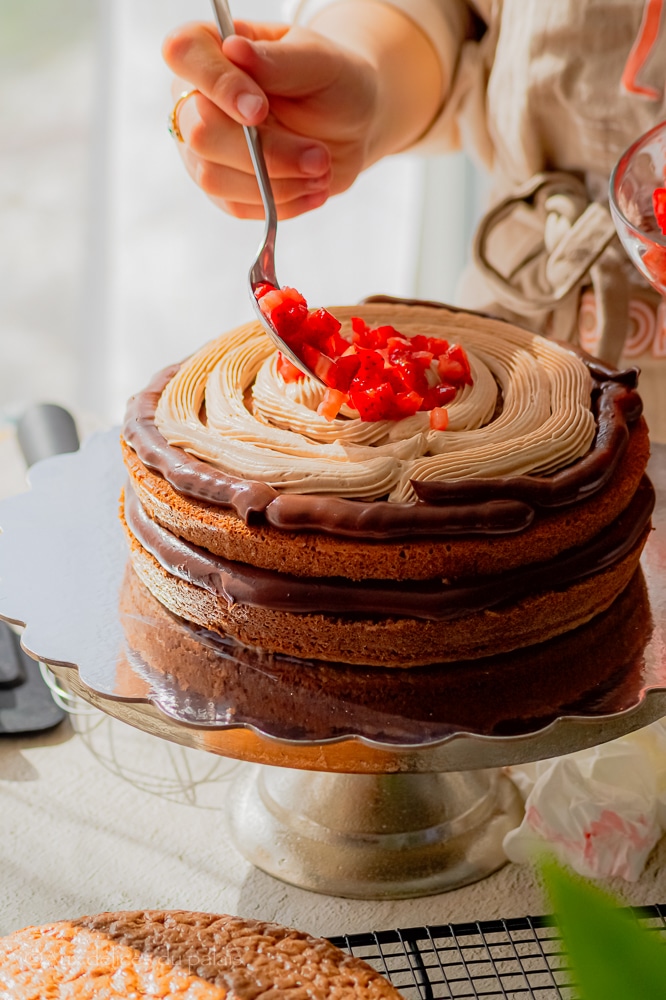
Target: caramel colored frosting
528 412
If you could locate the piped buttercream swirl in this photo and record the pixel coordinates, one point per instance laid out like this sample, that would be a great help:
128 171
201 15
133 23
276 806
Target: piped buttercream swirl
527 412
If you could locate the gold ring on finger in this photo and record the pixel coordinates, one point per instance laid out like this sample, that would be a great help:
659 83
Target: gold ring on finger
173 126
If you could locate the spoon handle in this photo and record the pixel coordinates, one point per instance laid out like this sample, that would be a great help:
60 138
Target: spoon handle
267 259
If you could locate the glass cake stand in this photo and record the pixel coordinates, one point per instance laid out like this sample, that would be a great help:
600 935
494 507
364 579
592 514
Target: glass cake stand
375 783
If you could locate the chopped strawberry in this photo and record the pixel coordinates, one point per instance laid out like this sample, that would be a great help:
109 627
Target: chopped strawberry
374 402
262 288
343 371
335 345
422 358
659 207
437 346
381 373
385 333
399 347
331 403
394 379
365 339
359 325
439 418
453 367
286 309
321 325
412 375
288 370
370 369
438 395
406 404
368 338
317 362
654 261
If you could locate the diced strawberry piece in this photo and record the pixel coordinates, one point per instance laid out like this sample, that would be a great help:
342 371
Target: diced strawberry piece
262 288
438 395
654 261
331 403
288 370
373 403
286 311
397 340
343 371
392 404
437 346
451 372
383 334
453 367
422 358
412 376
322 324
406 404
392 376
368 338
275 299
360 330
370 370
316 362
659 207
439 418
381 374
398 347
335 345
293 294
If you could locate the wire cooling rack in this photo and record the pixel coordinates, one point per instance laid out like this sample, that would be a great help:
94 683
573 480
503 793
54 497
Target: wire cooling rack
517 959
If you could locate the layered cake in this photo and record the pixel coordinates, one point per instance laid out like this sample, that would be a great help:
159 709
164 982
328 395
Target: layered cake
372 527
598 669
178 954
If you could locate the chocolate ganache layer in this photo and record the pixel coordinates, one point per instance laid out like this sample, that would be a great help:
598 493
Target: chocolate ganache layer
439 600
453 507
595 669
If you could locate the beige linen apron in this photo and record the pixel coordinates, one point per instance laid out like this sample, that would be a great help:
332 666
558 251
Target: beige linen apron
569 84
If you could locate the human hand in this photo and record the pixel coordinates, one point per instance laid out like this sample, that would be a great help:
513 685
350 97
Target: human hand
313 100
328 102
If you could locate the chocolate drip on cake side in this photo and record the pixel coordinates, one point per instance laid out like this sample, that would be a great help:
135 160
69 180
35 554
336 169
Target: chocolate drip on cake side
435 600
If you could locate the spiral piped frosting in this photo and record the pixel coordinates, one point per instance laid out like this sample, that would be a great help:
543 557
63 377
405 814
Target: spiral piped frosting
527 412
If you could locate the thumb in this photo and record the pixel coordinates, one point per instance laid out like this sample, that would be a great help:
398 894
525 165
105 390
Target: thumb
293 66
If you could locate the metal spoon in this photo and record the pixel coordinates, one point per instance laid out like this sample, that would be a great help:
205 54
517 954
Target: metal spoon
263 269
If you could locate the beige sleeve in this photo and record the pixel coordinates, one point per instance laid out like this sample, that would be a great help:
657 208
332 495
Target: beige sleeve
447 23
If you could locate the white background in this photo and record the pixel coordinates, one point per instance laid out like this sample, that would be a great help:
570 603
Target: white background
112 262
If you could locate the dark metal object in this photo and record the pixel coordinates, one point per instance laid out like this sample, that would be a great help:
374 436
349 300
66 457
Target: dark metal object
26 704
45 430
10 665
28 707
522 957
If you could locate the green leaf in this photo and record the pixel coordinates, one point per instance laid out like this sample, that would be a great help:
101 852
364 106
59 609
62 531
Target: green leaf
611 956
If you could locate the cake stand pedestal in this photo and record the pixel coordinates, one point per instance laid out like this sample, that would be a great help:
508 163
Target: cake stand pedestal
374 783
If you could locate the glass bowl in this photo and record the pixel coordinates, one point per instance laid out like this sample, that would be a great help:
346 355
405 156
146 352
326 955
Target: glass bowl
641 169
